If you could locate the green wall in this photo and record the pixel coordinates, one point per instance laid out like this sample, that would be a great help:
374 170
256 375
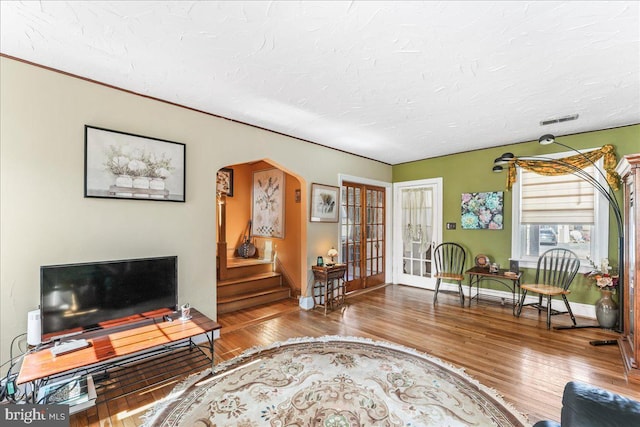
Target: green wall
471 172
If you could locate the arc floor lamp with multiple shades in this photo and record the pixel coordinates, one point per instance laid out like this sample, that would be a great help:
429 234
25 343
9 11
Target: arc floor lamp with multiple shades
574 165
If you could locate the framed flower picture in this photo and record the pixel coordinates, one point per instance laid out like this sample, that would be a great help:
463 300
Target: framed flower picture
268 203
325 203
482 211
122 165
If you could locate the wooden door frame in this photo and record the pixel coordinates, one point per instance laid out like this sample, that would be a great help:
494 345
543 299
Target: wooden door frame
388 187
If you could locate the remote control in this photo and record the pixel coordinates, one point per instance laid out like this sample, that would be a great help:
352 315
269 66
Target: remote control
69 346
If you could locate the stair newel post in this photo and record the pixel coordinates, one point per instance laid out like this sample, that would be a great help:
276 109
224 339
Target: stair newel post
222 236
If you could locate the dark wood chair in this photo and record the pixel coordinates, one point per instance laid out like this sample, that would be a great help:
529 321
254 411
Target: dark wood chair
449 261
554 274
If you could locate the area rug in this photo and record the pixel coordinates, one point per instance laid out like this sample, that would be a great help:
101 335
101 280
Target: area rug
333 382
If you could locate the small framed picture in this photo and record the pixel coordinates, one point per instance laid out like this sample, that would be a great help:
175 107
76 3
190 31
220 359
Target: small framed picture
325 203
122 165
224 182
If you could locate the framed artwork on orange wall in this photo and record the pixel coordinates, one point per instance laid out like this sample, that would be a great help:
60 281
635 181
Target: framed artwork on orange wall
224 182
268 203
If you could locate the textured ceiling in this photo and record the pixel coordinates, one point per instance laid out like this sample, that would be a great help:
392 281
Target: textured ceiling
391 81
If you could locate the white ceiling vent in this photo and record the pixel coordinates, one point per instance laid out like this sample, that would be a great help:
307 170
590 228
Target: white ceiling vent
559 120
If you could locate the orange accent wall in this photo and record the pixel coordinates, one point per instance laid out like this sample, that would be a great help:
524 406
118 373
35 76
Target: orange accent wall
239 206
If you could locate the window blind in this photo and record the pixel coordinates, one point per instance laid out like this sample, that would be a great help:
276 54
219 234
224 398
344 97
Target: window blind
562 199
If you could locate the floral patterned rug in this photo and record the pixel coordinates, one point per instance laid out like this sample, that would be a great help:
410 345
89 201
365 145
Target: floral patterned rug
333 382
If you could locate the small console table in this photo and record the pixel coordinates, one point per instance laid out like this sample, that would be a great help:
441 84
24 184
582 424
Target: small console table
154 339
504 277
328 286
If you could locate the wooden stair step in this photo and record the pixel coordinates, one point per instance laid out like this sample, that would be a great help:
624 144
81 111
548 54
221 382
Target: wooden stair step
251 299
249 284
246 268
249 278
248 295
244 262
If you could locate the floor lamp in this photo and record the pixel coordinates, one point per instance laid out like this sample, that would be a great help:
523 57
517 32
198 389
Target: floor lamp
606 191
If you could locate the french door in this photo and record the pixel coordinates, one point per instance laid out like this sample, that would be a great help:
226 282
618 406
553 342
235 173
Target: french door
362 234
417 230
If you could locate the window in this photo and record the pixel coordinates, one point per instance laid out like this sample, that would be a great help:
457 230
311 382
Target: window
562 211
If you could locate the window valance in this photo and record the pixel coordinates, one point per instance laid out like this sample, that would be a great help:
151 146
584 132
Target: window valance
551 167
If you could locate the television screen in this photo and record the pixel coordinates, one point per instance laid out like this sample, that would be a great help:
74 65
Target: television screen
81 297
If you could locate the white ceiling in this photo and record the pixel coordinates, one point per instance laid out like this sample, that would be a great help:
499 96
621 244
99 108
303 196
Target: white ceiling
391 81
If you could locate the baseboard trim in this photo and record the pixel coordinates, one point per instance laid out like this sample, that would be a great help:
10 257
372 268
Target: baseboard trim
579 309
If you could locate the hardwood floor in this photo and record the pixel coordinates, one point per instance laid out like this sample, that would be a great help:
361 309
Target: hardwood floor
518 357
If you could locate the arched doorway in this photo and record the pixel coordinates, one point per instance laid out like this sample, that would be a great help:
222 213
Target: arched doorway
281 247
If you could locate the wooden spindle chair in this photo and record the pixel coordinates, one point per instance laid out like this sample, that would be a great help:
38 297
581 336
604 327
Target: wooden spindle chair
556 270
449 261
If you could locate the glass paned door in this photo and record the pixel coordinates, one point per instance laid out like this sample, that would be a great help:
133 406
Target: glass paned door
362 234
417 213
351 224
374 235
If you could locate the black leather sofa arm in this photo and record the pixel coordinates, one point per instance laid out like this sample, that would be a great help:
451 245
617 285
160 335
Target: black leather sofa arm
584 405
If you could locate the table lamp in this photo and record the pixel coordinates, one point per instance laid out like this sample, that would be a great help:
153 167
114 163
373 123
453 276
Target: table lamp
332 253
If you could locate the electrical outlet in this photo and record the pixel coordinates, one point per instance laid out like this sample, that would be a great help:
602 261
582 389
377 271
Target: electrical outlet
451 226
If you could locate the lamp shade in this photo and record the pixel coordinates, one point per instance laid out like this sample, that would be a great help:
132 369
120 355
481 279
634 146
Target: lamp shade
547 139
504 159
332 252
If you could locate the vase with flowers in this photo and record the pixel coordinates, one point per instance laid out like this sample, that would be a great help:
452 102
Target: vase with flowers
606 308
136 168
159 169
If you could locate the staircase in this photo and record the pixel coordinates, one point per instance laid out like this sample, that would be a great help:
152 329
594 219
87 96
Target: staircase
249 282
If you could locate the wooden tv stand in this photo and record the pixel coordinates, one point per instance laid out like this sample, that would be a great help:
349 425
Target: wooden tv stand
118 349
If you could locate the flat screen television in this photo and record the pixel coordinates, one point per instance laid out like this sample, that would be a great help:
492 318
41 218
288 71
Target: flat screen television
77 298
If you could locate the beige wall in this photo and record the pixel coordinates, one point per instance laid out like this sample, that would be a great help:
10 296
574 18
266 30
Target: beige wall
46 220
